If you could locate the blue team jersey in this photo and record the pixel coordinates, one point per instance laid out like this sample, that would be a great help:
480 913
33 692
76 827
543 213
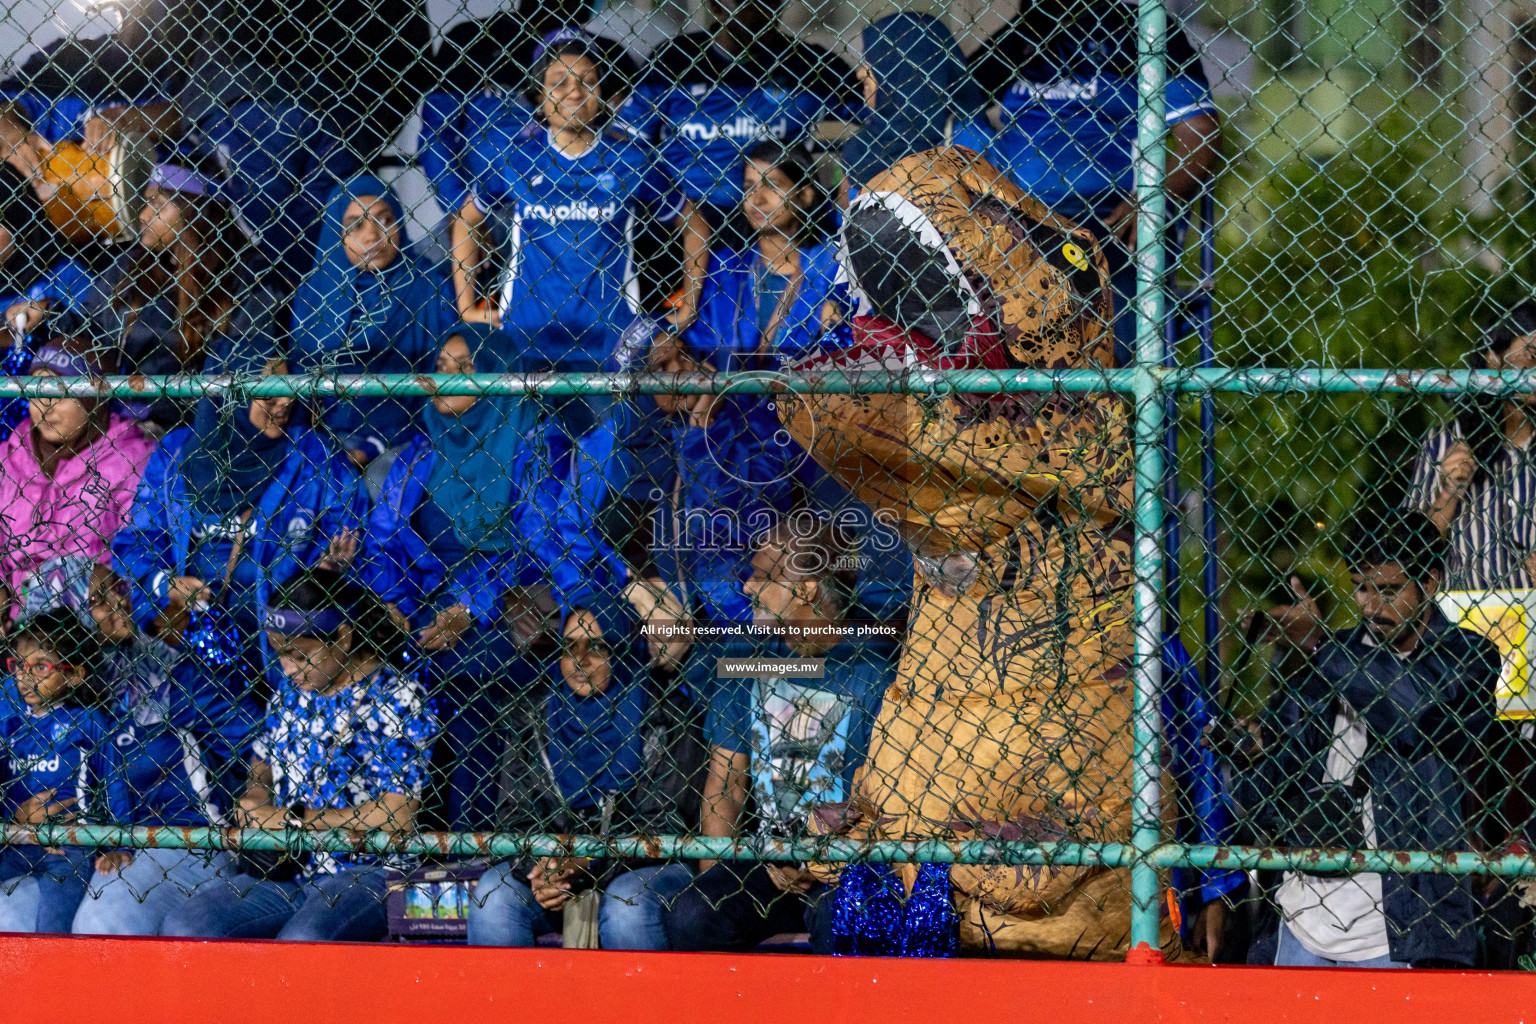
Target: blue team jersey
707 110
571 223
1068 143
181 733
66 750
1065 78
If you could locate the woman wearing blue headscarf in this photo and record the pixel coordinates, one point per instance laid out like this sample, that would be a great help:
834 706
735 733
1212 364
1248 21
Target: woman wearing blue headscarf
228 509
480 484
482 502
371 305
608 752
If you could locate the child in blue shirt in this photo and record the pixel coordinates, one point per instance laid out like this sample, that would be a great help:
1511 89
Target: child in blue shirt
572 191
60 767
181 732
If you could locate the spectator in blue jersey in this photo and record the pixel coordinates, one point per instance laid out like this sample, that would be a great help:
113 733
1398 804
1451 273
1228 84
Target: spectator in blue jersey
345 746
61 766
572 193
180 733
771 299
915 85
184 293
371 305
711 95
481 101
38 278
612 753
1062 78
780 744
229 508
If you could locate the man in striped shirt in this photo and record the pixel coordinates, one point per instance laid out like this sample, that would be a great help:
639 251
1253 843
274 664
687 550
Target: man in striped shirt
1476 475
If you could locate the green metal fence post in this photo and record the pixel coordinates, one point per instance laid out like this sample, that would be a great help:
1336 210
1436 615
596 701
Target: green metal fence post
1150 165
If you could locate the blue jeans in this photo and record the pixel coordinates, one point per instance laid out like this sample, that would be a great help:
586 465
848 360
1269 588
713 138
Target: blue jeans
503 912
632 914
348 906
39 891
136 899
1289 952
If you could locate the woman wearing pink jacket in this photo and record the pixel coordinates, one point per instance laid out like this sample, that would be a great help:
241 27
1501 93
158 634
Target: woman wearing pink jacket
67 475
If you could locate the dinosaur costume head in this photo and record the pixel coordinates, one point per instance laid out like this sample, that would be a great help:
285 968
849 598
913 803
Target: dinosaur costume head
953 267
943 245
1011 713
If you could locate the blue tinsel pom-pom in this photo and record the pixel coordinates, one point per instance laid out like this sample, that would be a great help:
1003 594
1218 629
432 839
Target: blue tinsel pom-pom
930 925
212 637
870 917
16 363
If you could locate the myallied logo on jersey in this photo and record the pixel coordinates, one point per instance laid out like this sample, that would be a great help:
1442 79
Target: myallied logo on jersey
570 212
38 763
1069 90
743 128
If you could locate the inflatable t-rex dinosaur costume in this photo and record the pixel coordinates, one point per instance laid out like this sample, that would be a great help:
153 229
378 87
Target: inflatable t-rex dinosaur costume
1011 713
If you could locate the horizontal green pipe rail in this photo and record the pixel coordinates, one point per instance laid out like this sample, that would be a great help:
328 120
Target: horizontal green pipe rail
826 850
498 844
1249 380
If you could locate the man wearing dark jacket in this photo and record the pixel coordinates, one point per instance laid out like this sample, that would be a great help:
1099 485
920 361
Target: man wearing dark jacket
1373 745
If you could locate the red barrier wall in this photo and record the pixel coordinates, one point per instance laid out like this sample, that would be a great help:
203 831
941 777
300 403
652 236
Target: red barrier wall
168 982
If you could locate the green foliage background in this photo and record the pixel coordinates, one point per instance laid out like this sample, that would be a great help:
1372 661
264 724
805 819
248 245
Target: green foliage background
1352 256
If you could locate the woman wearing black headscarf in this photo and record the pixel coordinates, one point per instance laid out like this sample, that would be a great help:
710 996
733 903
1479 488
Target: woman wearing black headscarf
915 80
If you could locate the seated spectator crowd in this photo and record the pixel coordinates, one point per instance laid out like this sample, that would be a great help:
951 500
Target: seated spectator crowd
383 614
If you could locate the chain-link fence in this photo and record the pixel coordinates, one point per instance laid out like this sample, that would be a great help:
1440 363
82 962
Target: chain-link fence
878 479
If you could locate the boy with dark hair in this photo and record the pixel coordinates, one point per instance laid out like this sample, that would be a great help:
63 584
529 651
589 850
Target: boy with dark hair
1371 746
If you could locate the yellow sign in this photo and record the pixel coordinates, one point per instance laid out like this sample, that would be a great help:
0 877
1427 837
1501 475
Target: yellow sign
1505 617
1075 255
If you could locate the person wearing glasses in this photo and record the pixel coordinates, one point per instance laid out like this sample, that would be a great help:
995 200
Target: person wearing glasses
61 767
609 751
180 731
